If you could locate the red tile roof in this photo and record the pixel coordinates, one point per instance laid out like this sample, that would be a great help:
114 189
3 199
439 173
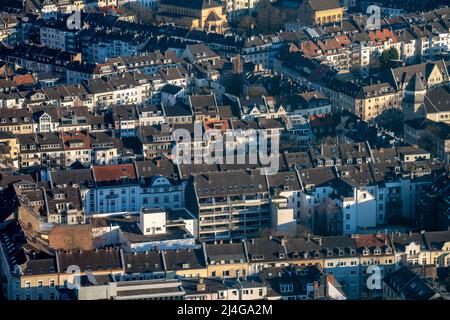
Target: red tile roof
371 240
221 125
114 172
335 43
24 79
74 137
310 49
382 35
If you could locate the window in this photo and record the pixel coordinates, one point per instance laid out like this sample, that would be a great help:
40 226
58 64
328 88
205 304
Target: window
284 287
39 284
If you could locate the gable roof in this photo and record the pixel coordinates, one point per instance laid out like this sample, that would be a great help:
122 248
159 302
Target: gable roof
320 5
192 4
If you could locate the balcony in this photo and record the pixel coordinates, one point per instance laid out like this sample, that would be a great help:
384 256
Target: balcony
214 222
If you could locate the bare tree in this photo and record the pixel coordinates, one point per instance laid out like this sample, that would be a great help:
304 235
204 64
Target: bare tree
256 91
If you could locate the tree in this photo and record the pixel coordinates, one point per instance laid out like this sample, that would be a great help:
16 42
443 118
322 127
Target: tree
429 140
392 120
256 91
448 282
141 14
388 54
246 23
268 18
263 233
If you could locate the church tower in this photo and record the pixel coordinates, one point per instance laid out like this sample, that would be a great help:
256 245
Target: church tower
412 104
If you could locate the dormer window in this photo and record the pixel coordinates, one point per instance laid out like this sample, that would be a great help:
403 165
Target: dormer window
286 287
377 251
281 255
366 252
341 252
388 251
257 257
59 196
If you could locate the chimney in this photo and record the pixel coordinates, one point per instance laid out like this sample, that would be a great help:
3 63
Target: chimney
316 285
201 285
158 163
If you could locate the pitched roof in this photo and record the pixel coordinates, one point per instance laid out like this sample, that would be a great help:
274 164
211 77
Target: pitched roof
95 260
192 4
114 172
416 84
320 5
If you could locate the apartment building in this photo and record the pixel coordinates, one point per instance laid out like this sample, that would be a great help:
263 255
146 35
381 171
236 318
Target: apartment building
226 260
32 277
116 190
376 253
342 261
55 34
16 121
319 12
229 205
77 148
